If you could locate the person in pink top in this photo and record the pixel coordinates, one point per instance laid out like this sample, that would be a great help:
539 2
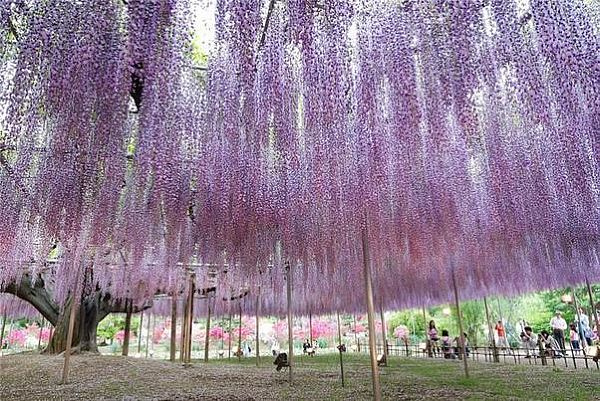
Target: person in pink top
574 337
432 338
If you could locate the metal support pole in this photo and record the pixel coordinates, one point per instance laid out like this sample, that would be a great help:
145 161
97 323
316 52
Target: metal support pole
463 350
371 317
289 319
340 348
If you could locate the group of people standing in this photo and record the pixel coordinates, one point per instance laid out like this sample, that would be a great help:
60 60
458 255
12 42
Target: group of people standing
449 347
551 343
579 334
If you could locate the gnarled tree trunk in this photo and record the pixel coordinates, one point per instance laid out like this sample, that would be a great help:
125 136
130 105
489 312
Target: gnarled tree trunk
93 308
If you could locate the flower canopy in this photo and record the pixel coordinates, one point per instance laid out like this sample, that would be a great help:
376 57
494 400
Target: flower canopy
457 136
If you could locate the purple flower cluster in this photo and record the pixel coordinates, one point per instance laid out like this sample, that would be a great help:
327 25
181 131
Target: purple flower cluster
459 136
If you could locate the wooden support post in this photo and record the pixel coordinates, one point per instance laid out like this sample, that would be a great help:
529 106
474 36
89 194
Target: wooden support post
496 356
191 319
257 328
148 334
310 336
39 346
463 350
594 311
173 344
65 373
371 317
184 331
290 322
229 339
428 344
579 327
139 351
207 334
239 353
356 335
340 348
128 308
2 331
383 334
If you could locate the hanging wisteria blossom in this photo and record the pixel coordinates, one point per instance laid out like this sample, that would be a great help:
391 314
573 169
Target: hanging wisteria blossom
460 137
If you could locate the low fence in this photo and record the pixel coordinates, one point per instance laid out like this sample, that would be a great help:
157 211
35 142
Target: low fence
573 359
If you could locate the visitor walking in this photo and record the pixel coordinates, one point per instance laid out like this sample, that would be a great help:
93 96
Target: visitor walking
501 333
559 325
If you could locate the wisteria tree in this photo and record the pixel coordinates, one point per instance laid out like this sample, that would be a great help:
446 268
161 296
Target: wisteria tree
455 139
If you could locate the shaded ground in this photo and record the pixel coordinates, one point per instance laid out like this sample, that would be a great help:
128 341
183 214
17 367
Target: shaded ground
94 377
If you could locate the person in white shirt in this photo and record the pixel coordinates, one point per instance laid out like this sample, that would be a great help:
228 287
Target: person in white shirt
559 325
529 341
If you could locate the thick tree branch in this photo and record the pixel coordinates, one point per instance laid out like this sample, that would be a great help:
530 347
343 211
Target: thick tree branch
35 294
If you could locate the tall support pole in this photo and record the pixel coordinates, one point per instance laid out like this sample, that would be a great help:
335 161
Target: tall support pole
140 333
310 336
290 323
40 334
239 353
148 334
496 356
339 327
229 339
383 334
2 331
65 373
257 328
184 323
356 334
371 318
428 344
594 311
206 335
173 344
128 307
460 326
191 319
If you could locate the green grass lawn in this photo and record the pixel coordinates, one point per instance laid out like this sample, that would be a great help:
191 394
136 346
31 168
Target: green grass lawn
94 377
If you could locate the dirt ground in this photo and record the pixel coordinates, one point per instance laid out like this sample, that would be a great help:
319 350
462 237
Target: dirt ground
96 377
